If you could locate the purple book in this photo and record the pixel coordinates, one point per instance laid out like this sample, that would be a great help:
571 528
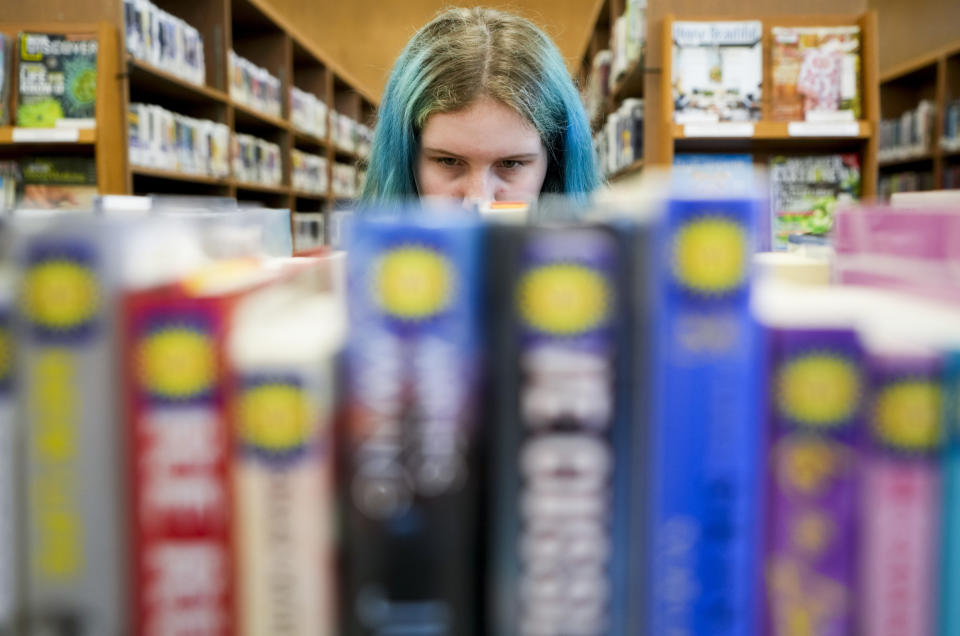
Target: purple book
814 414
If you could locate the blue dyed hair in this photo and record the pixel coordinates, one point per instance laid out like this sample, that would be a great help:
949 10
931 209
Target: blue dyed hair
464 54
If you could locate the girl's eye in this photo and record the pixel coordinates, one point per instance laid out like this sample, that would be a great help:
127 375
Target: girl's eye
448 162
510 164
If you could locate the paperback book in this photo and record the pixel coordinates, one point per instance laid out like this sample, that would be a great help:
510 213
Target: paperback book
717 71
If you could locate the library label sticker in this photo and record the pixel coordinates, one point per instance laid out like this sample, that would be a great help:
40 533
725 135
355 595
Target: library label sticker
823 129
28 135
719 129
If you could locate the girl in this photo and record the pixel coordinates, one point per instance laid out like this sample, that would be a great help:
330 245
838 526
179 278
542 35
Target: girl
480 106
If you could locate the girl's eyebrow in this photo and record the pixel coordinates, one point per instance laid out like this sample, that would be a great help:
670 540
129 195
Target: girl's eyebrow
528 156
441 151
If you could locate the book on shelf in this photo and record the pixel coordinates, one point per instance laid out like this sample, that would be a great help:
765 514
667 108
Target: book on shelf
61 182
717 71
57 80
805 192
816 73
6 79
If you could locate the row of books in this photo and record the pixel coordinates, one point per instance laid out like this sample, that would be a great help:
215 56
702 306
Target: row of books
906 181
308 113
350 135
910 135
542 427
308 229
163 139
627 40
256 160
951 126
63 182
346 181
609 65
805 191
164 40
56 79
310 173
253 86
718 72
619 143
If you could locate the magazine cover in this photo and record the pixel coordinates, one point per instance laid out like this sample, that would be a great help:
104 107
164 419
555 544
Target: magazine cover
57 80
717 71
805 191
5 80
816 73
68 183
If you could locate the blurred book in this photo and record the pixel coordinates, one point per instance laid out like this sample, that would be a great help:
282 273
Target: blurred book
6 78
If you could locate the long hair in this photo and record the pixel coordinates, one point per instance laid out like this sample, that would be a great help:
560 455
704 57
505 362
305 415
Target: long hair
464 54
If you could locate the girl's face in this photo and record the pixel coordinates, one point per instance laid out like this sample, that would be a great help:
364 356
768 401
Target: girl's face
486 152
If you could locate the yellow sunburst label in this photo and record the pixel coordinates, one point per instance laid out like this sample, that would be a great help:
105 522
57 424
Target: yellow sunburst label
276 418
60 294
818 389
413 282
906 415
176 363
710 255
563 299
6 354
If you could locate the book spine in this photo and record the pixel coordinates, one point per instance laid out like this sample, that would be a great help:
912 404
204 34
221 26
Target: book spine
9 483
814 419
282 423
408 445
950 561
182 561
564 506
705 451
73 541
901 497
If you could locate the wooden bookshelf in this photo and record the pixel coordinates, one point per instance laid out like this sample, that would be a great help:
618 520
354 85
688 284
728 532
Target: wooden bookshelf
933 76
106 142
250 27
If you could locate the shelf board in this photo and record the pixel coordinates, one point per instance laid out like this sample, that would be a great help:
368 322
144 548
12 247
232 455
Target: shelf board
633 168
343 152
259 187
309 140
901 161
83 135
173 175
249 116
778 131
157 81
317 196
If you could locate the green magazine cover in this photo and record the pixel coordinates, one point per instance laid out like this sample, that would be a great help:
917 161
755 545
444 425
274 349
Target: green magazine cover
57 80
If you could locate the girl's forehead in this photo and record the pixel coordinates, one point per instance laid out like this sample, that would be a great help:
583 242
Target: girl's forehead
486 128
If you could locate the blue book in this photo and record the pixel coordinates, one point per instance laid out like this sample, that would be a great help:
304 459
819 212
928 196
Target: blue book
950 561
706 436
408 442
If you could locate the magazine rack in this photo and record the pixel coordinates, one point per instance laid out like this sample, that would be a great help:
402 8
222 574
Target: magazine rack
766 138
106 141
